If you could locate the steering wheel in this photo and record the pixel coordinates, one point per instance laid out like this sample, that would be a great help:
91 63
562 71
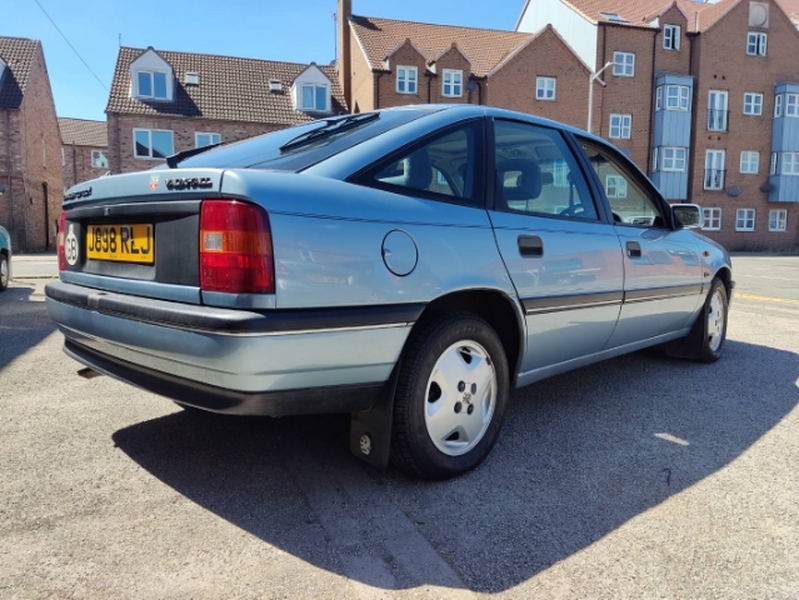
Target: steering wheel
572 211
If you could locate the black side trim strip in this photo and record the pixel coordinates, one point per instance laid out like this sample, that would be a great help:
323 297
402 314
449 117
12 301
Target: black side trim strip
559 303
321 400
662 293
224 320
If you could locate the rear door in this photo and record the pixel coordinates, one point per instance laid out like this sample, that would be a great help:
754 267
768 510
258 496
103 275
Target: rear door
562 253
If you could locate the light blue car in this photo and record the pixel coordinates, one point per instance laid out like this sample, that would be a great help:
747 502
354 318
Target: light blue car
410 266
5 258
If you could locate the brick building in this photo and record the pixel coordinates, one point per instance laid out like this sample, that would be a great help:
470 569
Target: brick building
387 63
163 102
84 154
30 149
699 97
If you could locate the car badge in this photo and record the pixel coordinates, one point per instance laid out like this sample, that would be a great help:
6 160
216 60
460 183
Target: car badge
153 182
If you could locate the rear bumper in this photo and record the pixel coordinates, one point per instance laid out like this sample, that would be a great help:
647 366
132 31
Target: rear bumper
237 361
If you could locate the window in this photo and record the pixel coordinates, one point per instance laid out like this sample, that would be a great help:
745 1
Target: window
63 157
790 163
206 139
659 98
674 159
536 173
671 37
756 43
753 103
152 143
777 106
313 97
452 83
615 186
677 97
655 159
623 64
712 219
151 84
745 219
714 169
750 162
620 126
545 88
792 105
777 219
717 111
406 80
773 168
99 159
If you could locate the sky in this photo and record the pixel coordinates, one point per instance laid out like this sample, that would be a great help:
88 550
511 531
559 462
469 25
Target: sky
286 30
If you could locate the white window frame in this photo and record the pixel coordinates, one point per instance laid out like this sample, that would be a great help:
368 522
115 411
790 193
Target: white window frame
774 163
745 219
96 153
777 106
754 102
314 106
756 43
620 126
409 76
655 158
671 37
717 158
452 83
682 97
618 184
712 219
778 219
150 144
152 74
674 159
659 98
546 88
750 162
197 135
792 105
723 109
790 164
623 64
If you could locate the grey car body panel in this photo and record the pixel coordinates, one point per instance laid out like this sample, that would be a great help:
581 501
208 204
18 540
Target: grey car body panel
5 245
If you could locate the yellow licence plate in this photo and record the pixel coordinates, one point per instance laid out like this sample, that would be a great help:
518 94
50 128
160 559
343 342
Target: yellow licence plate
123 243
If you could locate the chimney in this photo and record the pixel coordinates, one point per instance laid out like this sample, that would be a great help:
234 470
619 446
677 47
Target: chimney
343 61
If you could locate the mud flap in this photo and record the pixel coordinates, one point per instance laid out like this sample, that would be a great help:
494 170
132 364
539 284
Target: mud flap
370 430
690 347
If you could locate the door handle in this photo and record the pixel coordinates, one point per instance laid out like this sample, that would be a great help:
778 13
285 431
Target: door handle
531 245
633 249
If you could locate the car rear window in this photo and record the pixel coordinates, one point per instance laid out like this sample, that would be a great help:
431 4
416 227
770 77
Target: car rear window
284 150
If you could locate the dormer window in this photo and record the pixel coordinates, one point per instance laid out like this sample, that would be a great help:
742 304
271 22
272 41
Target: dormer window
151 84
314 97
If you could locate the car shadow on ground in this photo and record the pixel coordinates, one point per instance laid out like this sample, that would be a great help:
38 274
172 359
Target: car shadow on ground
580 455
23 321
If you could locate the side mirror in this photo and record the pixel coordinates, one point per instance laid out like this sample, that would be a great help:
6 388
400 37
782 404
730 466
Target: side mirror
688 216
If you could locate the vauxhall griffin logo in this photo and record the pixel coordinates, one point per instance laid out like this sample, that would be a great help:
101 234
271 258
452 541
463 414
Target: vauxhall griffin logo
153 182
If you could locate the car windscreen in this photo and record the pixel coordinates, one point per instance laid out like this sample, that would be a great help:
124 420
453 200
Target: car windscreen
297 148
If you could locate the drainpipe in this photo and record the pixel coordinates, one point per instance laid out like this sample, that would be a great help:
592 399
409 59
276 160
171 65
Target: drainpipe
692 158
74 165
429 76
378 75
8 172
651 105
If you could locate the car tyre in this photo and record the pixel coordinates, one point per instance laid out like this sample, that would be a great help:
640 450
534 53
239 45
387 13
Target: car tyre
5 272
714 321
451 398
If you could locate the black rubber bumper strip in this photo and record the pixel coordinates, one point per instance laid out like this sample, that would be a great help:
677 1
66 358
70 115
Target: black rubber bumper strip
311 401
226 320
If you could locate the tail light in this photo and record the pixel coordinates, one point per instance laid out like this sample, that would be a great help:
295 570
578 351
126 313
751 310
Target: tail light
235 248
62 255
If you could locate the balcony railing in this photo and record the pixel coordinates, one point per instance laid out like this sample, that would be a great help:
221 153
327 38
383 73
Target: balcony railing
714 179
717 119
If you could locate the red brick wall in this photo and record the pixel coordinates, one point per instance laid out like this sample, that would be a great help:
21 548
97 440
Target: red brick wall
362 79
451 59
673 61
77 164
723 64
120 136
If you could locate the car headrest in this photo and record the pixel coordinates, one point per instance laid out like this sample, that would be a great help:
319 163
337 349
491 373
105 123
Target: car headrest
418 171
527 185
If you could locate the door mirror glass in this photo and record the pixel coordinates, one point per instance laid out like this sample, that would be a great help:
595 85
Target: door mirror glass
688 216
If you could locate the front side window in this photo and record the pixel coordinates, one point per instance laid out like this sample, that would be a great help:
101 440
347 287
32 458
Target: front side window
537 173
714 169
792 105
313 97
545 88
452 83
717 111
745 219
623 64
777 219
407 80
753 103
790 163
152 143
99 159
671 37
756 43
620 126
151 84
674 159
677 97
712 219
750 161
202 139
